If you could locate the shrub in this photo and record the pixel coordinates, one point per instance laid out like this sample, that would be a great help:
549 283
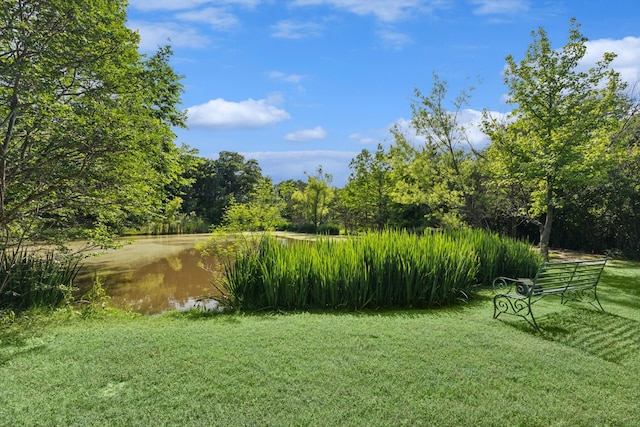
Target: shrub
329 229
307 228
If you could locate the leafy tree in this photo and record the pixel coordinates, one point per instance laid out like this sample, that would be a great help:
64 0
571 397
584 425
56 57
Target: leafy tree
219 183
262 212
608 208
286 190
442 173
313 202
366 198
85 120
557 135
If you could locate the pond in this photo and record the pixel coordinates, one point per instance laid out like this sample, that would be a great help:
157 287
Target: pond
153 274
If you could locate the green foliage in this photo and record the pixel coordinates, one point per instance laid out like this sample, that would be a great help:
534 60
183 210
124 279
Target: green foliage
262 212
306 228
558 135
30 279
95 300
499 255
174 221
219 183
365 200
608 208
314 200
443 173
85 121
329 229
373 270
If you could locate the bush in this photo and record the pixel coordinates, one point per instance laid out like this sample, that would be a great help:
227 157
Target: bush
329 229
306 228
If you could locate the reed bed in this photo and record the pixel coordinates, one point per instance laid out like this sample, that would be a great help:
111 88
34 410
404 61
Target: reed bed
29 279
389 269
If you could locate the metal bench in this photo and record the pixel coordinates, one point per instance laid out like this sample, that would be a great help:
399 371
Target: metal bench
571 280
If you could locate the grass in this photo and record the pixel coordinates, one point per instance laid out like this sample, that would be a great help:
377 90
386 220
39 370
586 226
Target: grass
445 367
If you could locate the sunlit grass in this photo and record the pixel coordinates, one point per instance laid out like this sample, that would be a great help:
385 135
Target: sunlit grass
446 367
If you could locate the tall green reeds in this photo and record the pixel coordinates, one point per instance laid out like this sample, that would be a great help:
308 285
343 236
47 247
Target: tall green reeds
499 255
29 279
374 270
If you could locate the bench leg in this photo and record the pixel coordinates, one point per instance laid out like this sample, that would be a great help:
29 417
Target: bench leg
595 297
520 307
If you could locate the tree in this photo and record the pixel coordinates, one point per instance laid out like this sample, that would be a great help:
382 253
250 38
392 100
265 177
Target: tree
608 208
313 202
85 120
557 135
442 173
286 190
366 197
219 183
262 212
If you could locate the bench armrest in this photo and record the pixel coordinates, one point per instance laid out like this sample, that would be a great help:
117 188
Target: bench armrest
503 282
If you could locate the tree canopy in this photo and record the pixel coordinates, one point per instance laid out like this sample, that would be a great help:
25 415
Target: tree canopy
85 119
557 136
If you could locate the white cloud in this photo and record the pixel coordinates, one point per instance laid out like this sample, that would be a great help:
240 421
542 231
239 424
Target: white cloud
219 19
186 4
500 7
469 119
289 29
153 35
307 135
222 114
627 63
394 40
385 10
361 139
291 78
282 165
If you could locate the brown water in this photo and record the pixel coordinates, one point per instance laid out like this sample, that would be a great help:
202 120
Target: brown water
153 274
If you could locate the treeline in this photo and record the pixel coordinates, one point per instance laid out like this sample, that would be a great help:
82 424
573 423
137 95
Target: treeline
566 159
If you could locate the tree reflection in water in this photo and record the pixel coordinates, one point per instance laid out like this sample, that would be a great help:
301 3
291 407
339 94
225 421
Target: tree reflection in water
153 274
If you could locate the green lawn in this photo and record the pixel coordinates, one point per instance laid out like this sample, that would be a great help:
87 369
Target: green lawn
446 367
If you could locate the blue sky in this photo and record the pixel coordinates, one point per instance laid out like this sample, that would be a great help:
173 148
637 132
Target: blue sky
296 84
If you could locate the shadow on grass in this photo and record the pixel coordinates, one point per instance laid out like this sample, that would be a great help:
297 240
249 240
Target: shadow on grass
605 335
16 340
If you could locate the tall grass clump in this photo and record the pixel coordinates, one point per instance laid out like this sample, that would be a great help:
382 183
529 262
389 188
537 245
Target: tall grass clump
29 279
499 255
389 269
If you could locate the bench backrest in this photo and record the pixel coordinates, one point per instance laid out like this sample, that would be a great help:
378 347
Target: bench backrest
570 274
587 274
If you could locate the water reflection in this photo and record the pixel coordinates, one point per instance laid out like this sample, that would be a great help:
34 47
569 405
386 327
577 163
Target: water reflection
153 274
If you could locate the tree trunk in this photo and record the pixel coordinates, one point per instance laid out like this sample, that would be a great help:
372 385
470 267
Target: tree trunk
545 233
